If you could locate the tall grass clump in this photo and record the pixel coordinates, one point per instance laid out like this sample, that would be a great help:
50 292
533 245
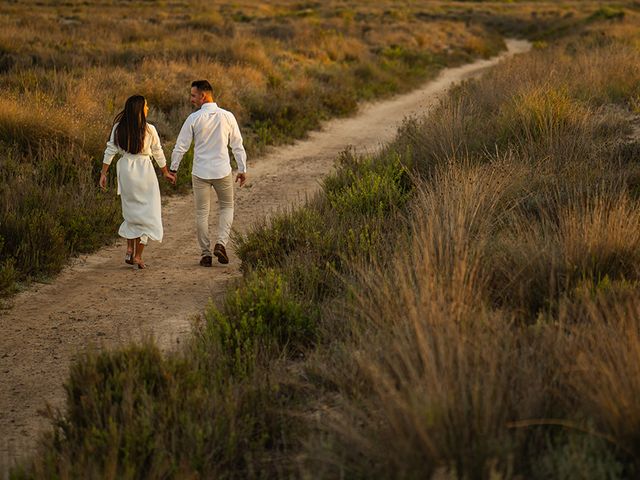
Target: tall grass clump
603 377
583 235
439 367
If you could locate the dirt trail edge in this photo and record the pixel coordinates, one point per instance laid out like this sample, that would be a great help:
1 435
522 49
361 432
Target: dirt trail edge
98 301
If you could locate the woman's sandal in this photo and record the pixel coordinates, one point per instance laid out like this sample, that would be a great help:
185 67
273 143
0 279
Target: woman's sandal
141 265
128 258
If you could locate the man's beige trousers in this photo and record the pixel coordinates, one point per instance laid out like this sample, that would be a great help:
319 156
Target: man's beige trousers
202 196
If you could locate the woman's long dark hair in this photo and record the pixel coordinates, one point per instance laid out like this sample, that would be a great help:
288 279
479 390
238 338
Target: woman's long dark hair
132 125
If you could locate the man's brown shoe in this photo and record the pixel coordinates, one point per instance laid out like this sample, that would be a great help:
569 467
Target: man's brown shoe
220 252
206 261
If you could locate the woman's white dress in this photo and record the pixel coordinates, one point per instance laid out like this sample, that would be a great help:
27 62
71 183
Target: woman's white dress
138 187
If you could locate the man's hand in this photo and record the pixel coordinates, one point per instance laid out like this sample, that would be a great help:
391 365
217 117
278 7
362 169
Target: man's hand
103 181
242 177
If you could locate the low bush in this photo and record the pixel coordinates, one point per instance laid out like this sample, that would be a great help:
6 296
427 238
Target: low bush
136 413
572 455
318 244
268 244
36 240
607 13
51 209
367 188
258 318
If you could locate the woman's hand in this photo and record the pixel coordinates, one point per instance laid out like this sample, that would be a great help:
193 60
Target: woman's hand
171 177
103 181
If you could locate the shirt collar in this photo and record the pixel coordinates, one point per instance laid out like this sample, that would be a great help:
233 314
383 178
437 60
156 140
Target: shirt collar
209 106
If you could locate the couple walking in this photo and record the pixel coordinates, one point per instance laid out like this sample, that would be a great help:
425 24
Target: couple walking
213 130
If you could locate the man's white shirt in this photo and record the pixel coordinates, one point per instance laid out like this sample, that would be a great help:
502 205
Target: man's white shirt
212 128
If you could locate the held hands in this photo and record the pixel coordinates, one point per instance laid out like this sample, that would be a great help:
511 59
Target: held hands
242 178
171 177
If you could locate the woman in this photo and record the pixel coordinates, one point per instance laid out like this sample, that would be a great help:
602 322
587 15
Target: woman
137 141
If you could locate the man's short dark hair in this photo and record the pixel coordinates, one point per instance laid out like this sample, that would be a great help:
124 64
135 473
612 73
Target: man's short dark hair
202 85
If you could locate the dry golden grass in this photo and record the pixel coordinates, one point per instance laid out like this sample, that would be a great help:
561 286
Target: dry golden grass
442 373
501 338
603 361
89 57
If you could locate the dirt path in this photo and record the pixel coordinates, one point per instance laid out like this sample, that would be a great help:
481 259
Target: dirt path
98 301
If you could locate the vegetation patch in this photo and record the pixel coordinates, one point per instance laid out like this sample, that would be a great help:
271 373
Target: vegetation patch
281 69
463 304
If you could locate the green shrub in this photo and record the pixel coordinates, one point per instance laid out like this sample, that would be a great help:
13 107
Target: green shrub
281 117
572 455
268 245
90 224
258 317
316 244
37 241
369 190
135 413
52 208
112 402
607 13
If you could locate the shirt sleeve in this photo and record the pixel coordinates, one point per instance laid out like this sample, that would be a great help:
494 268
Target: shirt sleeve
182 143
235 141
112 149
156 148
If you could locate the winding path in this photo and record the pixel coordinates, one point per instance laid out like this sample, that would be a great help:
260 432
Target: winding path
98 301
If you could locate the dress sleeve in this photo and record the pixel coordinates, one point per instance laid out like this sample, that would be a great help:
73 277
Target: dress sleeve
156 148
112 149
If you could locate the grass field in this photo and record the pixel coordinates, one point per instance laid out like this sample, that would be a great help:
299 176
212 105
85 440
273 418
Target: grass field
463 304
281 67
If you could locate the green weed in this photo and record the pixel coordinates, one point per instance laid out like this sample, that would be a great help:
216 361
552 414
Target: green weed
258 317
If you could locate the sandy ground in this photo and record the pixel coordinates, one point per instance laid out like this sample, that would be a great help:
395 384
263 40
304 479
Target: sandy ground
98 301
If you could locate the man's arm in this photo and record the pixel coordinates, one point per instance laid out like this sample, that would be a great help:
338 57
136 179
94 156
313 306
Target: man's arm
182 143
235 142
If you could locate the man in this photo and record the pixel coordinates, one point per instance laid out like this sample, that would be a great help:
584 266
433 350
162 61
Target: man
213 130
